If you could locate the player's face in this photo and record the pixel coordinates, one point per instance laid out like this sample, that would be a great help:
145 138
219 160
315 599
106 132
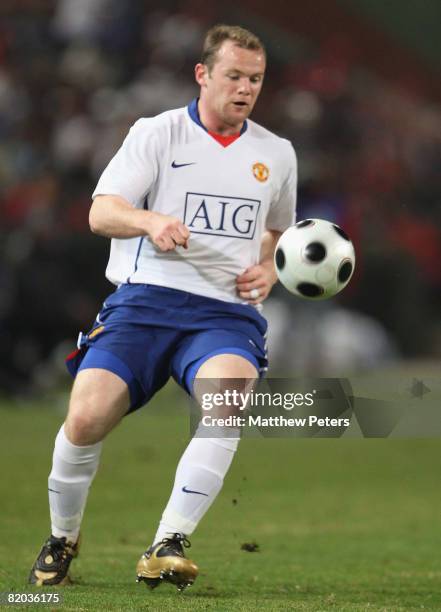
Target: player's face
230 91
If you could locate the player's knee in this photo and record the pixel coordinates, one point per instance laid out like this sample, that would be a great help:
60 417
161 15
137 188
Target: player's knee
98 402
227 366
223 383
83 429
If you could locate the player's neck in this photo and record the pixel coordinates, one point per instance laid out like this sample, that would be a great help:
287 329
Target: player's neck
213 124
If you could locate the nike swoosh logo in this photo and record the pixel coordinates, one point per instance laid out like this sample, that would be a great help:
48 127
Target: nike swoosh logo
53 491
190 491
175 165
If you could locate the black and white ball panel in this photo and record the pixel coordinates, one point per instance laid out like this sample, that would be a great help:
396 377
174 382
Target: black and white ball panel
314 259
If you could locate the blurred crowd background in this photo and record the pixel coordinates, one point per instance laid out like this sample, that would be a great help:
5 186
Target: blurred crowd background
360 104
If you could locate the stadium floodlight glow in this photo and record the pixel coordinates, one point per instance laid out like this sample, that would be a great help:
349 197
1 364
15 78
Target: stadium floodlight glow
314 259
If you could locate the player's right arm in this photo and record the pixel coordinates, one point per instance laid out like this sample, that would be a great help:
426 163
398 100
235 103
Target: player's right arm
117 210
113 217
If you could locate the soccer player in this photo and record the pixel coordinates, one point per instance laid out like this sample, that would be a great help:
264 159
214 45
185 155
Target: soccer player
194 202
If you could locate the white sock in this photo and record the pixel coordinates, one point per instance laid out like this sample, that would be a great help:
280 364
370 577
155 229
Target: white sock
73 469
201 472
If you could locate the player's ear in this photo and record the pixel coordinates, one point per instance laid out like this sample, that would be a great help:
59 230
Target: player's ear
201 74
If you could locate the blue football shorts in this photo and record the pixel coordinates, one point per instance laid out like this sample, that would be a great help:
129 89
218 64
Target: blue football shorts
147 333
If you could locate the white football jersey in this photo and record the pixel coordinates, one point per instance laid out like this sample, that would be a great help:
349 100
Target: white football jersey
226 196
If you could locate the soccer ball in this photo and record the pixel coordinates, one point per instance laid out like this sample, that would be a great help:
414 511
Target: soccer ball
314 259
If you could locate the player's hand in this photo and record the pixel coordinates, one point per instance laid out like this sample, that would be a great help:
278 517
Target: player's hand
259 278
167 232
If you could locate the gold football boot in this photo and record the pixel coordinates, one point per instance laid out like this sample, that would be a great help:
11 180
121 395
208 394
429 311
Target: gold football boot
165 560
52 563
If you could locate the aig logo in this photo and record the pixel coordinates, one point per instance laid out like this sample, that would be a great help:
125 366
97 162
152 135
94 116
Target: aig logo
221 215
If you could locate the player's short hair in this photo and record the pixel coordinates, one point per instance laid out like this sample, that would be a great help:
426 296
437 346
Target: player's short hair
221 32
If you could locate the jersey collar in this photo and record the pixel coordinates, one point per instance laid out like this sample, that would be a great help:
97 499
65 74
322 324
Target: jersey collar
194 114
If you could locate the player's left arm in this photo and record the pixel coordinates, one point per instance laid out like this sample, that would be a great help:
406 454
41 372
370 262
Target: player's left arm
263 275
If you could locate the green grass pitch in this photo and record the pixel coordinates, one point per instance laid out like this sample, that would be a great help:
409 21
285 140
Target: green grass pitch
341 524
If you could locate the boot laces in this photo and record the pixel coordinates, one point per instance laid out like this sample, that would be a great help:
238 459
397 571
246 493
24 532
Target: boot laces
57 548
177 541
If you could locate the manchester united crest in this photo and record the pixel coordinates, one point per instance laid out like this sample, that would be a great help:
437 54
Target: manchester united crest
261 172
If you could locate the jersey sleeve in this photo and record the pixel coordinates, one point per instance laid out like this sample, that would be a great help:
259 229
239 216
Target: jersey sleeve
282 212
134 168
